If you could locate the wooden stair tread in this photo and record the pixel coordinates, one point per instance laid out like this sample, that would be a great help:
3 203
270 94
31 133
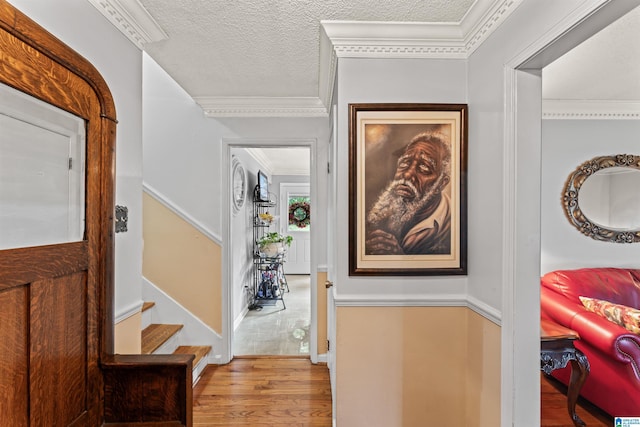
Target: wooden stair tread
154 335
147 305
145 424
199 351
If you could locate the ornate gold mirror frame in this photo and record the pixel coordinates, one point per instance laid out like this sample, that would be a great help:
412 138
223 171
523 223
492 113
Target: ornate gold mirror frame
575 213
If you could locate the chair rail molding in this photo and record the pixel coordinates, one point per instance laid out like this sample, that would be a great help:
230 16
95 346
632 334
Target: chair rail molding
451 300
165 201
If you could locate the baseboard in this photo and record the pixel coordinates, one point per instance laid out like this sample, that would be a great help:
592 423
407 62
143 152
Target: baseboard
240 318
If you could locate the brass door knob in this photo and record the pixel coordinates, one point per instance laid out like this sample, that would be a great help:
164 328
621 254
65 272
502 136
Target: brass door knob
328 284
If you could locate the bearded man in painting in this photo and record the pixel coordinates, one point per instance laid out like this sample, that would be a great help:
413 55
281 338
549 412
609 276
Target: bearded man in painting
413 214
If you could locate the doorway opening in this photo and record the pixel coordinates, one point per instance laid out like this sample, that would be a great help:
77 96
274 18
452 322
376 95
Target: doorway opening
523 136
270 293
581 121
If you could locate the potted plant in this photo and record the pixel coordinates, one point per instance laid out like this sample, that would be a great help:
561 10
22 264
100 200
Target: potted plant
271 244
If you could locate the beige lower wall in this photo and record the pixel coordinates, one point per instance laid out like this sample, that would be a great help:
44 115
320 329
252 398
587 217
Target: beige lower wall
416 366
183 262
127 337
321 309
483 371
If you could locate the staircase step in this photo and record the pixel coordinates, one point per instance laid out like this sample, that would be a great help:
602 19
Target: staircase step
154 335
146 424
147 305
199 351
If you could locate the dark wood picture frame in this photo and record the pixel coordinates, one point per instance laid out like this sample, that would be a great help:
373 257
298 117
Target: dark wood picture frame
416 225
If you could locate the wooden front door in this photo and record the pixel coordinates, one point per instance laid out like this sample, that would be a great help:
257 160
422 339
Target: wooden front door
55 293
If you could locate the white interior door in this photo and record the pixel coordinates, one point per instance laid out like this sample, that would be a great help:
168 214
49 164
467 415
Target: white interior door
295 197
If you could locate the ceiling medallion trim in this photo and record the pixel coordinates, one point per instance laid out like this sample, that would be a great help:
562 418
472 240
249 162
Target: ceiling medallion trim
132 19
590 110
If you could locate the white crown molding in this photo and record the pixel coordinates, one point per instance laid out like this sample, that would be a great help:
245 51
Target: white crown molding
328 65
453 40
262 159
132 19
482 19
566 109
357 39
254 106
339 39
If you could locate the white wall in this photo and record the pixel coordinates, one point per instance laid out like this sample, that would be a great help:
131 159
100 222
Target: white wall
504 201
384 80
78 24
566 144
181 149
183 162
241 247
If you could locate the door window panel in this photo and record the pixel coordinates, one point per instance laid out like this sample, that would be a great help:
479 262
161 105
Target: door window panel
299 213
41 172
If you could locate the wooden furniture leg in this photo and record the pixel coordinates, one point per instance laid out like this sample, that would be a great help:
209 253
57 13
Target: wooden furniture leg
579 373
557 349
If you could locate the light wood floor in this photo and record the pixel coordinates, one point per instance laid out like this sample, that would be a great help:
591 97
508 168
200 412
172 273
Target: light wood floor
286 391
263 391
553 404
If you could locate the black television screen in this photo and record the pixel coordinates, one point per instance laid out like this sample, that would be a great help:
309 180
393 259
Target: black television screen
263 187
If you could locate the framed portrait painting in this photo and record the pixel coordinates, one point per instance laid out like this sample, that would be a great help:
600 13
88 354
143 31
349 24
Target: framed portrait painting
407 189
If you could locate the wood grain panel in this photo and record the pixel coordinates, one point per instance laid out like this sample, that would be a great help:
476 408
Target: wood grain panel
14 387
72 83
58 358
148 388
69 301
24 75
26 265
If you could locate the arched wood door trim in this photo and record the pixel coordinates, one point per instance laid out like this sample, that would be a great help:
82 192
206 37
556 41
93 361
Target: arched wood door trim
57 365
64 292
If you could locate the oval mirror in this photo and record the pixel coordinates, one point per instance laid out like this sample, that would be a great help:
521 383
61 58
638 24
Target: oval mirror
602 198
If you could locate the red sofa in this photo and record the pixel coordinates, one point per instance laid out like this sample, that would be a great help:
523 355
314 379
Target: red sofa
613 352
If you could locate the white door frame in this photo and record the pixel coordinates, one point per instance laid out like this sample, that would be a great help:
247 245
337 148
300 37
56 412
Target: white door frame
304 190
520 367
331 233
227 295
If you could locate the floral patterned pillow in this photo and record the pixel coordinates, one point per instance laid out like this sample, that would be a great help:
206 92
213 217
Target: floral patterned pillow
627 317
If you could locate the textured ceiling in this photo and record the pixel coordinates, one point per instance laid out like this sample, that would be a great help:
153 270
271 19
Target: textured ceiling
265 57
265 48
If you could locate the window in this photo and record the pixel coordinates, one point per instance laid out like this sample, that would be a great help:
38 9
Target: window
42 150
